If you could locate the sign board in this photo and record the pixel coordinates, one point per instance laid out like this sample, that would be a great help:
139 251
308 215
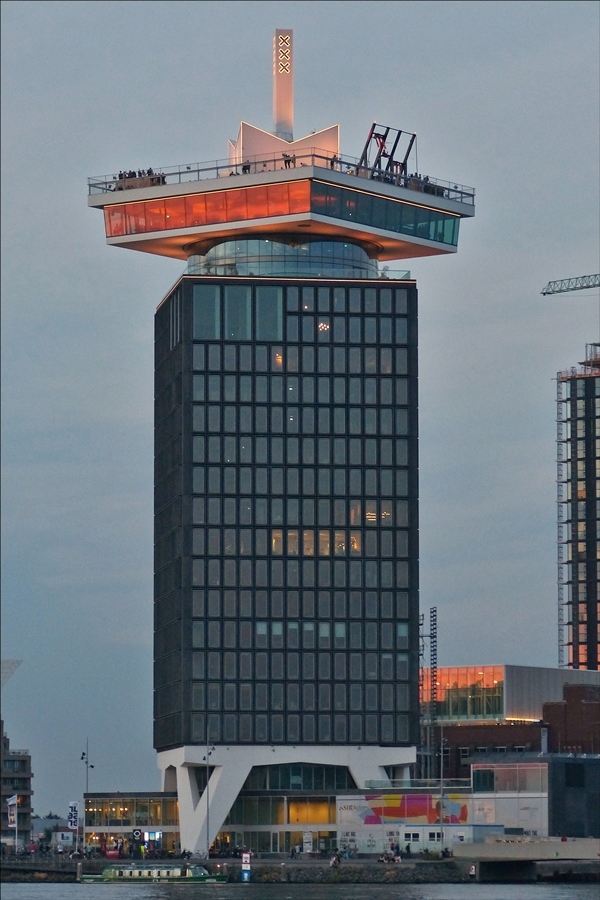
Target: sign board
73 818
12 811
245 862
65 837
307 842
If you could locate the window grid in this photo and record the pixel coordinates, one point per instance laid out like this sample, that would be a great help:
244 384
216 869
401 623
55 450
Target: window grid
301 529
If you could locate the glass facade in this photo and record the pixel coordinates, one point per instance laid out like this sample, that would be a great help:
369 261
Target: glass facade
523 778
578 446
277 200
466 692
132 825
286 557
264 256
131 811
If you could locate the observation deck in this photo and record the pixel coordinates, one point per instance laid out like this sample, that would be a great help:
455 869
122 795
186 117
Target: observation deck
312 195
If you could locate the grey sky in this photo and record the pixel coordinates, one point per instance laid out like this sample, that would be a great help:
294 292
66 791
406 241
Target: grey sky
503 96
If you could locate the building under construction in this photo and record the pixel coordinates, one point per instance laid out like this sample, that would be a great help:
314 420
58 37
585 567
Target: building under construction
578 495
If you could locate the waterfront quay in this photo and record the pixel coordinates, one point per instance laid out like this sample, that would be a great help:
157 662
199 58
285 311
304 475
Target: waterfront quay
314 871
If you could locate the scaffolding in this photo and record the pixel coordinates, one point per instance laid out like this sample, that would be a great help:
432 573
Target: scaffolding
576 489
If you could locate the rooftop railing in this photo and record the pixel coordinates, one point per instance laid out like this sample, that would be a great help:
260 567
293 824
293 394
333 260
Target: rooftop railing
170 175
231 271
420 784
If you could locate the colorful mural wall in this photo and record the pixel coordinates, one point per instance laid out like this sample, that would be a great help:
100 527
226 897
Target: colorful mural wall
406 809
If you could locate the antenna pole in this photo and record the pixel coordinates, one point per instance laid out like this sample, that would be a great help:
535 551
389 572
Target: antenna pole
283 83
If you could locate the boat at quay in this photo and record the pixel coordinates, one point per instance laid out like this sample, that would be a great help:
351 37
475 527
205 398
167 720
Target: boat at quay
163 873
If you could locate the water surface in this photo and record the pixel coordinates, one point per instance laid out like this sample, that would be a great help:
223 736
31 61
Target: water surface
301 892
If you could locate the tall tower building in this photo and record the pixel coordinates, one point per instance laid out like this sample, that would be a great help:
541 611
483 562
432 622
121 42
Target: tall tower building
578 431
286 460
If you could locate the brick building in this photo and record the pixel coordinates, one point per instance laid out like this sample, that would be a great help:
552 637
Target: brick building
570 725
508 718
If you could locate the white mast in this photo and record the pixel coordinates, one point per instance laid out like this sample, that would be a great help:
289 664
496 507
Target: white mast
283 84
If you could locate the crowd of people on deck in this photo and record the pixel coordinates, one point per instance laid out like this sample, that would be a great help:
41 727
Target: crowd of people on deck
126 175
131 173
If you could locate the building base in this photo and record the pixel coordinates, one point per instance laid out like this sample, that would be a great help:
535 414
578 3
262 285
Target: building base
202 814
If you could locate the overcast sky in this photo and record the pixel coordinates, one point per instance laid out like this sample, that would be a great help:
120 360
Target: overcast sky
503 96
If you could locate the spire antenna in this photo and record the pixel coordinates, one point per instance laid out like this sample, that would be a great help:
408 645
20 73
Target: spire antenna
283 83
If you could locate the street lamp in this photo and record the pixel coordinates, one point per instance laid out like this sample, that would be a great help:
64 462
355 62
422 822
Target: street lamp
209 753
442 785
86 760
593 729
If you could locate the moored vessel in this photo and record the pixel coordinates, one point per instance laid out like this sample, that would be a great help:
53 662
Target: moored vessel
158 871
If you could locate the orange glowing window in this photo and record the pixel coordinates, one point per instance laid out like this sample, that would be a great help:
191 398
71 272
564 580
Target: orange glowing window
371 512
299 194
236 205
114 220
175 212
155 215
355 512
257 203
355 543
135 218
195 210
216 208
279 204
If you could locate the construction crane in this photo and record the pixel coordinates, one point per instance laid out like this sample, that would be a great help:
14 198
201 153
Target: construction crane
572 284
8 668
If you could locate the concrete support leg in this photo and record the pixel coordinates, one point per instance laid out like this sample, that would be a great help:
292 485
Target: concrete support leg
198 830
231 765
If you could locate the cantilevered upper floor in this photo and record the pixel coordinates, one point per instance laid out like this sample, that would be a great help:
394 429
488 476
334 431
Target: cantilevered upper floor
313 195
297 191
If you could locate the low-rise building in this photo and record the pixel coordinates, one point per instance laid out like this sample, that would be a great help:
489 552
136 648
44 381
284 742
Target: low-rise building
507 709
504 770
133 824
16 775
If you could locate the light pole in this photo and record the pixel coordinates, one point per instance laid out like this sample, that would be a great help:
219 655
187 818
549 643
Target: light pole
442 786
209 752
86 760
593 729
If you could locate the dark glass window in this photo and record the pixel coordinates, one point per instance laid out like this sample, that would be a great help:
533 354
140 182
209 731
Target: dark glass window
269 315
206 312
237 312
483 780
198 357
